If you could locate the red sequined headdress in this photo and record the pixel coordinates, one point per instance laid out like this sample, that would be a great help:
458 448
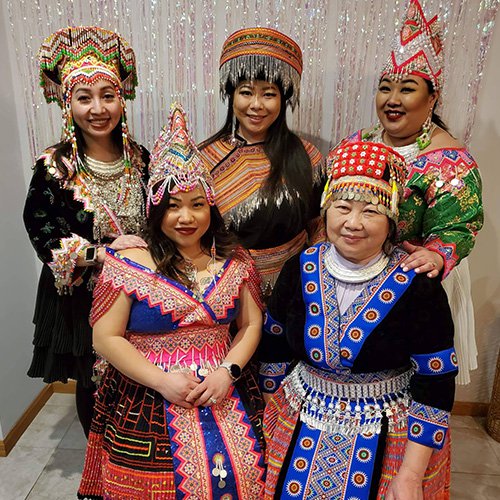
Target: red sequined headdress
253 53
366 171
86 54
417 49
176 165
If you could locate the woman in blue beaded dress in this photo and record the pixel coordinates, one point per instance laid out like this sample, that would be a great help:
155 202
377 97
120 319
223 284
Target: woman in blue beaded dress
363 413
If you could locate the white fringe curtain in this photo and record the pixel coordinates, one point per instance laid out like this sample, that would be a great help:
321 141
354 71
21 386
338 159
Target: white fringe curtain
178 43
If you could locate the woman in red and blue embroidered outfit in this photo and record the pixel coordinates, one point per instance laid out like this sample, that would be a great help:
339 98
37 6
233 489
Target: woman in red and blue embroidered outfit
169 422
364 412
86 191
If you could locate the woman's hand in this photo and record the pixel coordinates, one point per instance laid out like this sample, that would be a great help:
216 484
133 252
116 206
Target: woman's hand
176 387
128 241
422 260
212 390
407 485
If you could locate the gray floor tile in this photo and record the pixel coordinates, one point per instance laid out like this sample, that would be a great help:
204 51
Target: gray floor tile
475 486
472 452
59 399
20 470
74 439
61 476
48 427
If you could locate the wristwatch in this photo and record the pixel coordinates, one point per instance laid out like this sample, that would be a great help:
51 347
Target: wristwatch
233 369
90 255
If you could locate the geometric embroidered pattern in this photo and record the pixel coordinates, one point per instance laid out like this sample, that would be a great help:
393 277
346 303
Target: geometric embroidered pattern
271 375
321 347
435 363
202 452
173 299
357 323
316 471
388 287
427 425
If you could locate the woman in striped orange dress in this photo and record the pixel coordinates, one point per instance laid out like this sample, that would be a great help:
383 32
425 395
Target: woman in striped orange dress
268 181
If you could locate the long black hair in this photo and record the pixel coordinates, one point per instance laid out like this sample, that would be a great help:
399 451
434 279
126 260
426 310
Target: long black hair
167 257
290 163
435 117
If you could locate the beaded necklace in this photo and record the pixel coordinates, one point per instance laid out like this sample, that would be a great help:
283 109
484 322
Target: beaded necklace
352 275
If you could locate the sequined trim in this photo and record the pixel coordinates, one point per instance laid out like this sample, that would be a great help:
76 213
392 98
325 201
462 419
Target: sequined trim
64 262
270 261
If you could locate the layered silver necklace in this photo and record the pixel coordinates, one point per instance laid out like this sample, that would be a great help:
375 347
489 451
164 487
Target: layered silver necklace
116 197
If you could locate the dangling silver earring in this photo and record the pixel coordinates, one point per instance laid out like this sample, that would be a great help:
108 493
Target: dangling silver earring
235 141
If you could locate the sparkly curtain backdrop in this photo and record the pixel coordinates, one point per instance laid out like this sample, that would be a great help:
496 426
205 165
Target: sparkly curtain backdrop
360 35
178 42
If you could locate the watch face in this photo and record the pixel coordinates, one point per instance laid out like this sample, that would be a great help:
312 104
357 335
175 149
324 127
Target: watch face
235 371
90 254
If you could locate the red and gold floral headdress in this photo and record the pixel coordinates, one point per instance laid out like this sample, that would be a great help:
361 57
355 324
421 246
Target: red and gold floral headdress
176 165
86 54
253 53
417 48
366 171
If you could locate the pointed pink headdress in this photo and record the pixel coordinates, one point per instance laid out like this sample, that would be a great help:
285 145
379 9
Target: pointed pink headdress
176 165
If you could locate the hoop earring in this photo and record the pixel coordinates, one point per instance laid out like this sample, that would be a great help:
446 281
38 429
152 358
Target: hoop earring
424 139
388 247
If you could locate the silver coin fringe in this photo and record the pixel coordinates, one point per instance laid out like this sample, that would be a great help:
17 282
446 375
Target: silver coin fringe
347 408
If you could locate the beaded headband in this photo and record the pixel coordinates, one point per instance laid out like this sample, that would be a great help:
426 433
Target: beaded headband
176 165
366 171
417 48
85 53
253 53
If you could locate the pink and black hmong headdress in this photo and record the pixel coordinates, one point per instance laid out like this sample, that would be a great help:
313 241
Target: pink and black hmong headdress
176 165
417 48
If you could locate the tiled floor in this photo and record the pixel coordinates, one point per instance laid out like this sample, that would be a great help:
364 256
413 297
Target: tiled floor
47 461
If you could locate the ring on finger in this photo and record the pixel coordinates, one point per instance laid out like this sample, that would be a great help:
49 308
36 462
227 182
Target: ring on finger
212 400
